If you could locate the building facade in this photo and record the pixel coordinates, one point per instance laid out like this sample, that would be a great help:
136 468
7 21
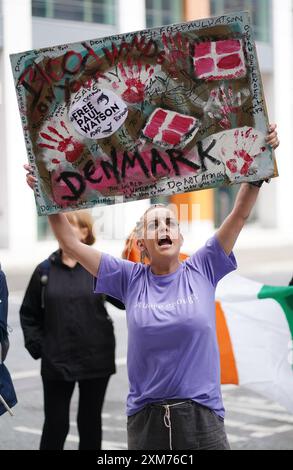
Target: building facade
27 24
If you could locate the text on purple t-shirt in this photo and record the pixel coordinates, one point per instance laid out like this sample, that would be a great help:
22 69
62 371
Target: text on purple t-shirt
172 342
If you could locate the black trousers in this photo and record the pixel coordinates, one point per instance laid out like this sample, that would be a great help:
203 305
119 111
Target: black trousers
57 397
176 425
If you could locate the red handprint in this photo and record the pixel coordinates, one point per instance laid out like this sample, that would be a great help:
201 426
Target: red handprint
176 53
248 144
71 148
222 104
135 78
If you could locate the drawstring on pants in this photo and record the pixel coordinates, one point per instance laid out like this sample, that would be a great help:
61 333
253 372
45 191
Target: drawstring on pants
167 420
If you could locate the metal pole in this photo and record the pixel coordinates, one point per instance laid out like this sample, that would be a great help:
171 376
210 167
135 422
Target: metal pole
6 406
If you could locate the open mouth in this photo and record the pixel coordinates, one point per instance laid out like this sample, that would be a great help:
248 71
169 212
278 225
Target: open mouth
165 241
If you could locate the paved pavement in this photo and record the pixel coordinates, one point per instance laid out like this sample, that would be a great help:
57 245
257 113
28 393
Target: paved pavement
252 422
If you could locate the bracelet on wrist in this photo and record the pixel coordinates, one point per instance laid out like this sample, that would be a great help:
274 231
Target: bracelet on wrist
259 183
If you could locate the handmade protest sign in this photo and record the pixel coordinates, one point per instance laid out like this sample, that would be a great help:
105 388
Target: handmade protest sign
152 113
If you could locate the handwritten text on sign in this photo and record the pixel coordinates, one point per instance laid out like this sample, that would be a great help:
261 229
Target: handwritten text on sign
153 113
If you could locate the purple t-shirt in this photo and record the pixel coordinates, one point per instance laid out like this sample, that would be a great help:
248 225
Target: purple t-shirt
172 343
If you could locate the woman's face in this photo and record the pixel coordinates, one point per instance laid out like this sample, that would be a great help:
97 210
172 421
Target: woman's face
162 238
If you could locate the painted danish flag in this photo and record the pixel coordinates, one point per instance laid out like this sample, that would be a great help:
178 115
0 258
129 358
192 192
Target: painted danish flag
219 60
168 128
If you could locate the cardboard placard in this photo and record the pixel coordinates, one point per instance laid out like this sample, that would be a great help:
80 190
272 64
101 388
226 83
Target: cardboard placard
152 113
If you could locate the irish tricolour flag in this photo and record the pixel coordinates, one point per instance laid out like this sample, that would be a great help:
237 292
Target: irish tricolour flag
255 333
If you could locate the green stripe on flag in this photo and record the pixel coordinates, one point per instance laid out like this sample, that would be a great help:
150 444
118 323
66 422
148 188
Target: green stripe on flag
282 295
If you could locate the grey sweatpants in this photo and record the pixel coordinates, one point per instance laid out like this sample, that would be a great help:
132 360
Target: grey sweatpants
176 425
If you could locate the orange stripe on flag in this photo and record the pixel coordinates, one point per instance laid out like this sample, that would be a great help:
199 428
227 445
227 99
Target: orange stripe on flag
229 373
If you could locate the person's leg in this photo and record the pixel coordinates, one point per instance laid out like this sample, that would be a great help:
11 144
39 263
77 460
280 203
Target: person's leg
196 427
57 396
89 418
146 430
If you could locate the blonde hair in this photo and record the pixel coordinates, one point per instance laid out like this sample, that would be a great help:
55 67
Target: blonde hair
83 219
137 233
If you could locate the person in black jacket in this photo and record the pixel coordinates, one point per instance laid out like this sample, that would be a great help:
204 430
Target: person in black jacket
7 393
68 327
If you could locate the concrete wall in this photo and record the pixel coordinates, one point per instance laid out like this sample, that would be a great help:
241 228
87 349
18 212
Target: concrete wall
50 32
283 99
3 173
17 218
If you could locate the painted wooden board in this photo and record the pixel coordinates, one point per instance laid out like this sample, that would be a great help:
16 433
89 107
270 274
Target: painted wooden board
152 113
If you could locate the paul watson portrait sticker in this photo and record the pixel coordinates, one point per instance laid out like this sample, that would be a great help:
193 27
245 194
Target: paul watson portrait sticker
98 114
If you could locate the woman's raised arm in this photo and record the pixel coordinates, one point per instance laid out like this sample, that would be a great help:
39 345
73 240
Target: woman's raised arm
87 256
